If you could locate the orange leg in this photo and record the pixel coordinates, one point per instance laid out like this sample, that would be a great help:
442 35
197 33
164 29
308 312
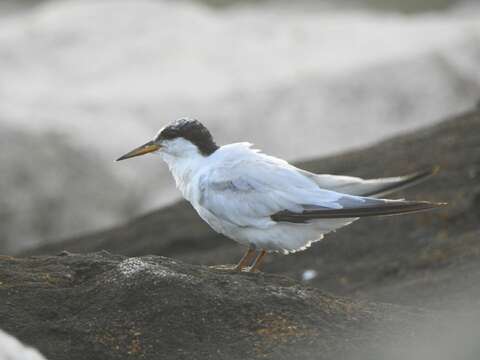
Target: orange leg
246 259
258 261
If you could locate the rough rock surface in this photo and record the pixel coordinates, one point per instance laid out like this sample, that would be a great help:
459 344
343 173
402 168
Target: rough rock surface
428 259
12 349
102 306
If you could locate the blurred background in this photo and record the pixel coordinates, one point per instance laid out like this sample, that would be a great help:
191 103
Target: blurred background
82 82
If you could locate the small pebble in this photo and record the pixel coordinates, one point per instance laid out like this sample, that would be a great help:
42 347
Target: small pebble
309 275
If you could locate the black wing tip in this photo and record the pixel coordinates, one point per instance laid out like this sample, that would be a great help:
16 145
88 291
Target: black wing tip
406 206
435 205
423 174
393 207
407 181
427 205
434 170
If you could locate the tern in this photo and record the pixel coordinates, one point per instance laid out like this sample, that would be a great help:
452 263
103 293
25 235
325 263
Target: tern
263 202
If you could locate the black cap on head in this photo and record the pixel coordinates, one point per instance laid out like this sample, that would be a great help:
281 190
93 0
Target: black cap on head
192 130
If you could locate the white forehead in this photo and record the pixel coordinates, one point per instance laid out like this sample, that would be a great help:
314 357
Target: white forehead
178 142
179 147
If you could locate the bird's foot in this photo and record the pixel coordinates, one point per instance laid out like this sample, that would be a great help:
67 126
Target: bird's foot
234 268
251 269
230 268
242 265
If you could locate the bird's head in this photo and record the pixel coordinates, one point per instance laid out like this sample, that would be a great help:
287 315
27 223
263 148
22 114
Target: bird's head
182 138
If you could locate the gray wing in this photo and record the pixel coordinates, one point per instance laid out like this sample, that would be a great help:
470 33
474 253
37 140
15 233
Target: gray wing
371 187
251 196
251 189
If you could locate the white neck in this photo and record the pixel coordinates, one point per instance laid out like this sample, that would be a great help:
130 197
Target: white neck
183 169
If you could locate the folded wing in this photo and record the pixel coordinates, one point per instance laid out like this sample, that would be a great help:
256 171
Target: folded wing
246 189
252 189
365 209
369 187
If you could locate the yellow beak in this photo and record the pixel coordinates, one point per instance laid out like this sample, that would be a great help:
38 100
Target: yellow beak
142 150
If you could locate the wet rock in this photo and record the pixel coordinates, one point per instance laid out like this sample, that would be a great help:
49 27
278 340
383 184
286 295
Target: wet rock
103 306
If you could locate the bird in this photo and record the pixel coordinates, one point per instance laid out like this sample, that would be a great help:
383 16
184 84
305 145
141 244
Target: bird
263 202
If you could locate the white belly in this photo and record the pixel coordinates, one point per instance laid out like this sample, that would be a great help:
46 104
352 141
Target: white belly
262 233
278 237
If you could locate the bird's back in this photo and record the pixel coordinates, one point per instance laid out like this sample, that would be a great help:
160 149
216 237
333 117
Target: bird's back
259 199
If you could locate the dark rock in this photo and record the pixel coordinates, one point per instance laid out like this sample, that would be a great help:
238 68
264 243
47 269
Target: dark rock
12 349
103 306
415 259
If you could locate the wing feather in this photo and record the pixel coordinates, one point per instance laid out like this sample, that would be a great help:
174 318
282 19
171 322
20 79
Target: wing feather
387 207
369 187
248 188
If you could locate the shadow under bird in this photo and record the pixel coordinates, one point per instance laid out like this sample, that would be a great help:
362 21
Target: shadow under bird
264 202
